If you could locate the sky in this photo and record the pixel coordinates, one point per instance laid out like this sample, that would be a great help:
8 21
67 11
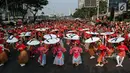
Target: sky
60 7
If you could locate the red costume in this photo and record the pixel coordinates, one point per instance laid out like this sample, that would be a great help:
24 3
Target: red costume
76 51
122 49
102 48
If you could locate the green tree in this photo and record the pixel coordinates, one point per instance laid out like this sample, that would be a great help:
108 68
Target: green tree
102 7
85 12
35 5
16 6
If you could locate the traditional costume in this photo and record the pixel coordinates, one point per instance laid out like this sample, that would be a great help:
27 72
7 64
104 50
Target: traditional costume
102 53
59 58
42 57
121 55
23 55
3 56
91 51
76 55
110 51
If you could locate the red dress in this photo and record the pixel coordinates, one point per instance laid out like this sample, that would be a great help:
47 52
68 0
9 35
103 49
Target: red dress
122 49
76 51
102 49
20 46
59 51
1 49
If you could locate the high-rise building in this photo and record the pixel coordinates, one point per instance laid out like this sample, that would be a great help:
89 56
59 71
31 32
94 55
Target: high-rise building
80 4
87 3
90 3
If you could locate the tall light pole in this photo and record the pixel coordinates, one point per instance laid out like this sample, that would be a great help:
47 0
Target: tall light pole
7 10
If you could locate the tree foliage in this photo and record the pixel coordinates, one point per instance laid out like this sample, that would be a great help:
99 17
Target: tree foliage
35 5
84 12
16 6
102 7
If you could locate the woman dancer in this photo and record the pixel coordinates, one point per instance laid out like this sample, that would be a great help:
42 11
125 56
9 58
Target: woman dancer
59 58
23 56
102 53
42 57
3 55
110 51
76 51
121 55
91 50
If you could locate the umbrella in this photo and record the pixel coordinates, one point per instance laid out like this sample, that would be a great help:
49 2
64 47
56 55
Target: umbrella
25 34
72 36
51 41
93 33
22 34
41 29
28 34
107 33
12 39
86 29
54 30
92 39
50 36
116 40
33 42
72 31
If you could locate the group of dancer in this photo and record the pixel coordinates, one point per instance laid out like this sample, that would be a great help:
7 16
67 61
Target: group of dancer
31 39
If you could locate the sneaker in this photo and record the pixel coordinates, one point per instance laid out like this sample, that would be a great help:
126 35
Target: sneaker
101 65
97 64
76 64
121 65
42 65
1 64
117 65
33 56
92 57
22 65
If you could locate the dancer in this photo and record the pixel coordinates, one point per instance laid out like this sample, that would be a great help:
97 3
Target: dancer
121 55
102 53
110 51
3 55
76 51
42 57
91 50
23 56
59 58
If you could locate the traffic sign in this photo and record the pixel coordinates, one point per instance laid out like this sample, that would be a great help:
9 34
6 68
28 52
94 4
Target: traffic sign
122 6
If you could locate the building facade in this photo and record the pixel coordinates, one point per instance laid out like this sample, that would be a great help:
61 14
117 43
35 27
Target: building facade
90 3
87 3
115 4
80 4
